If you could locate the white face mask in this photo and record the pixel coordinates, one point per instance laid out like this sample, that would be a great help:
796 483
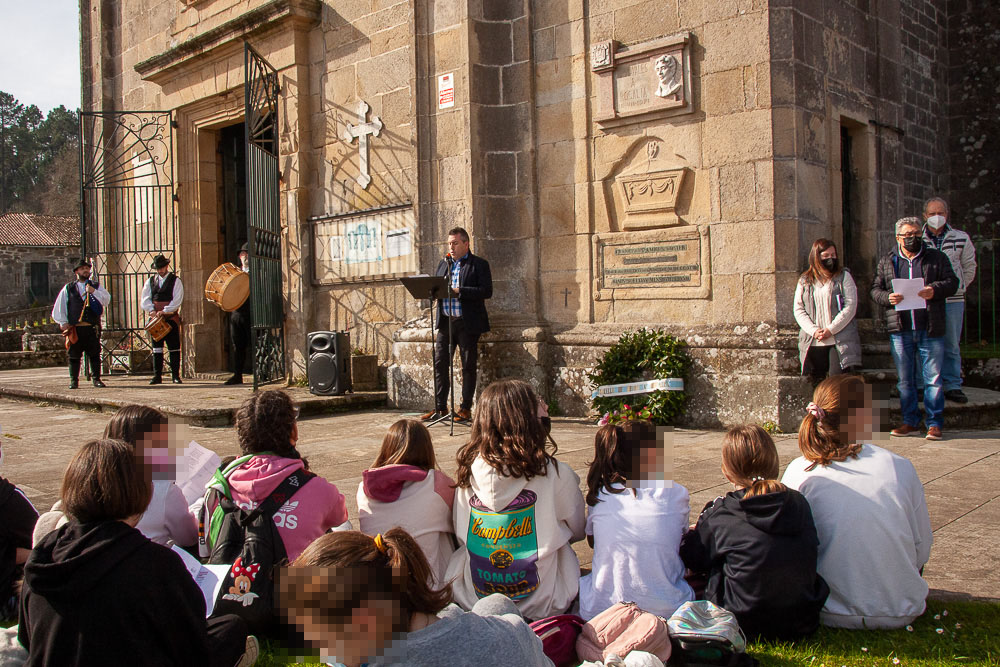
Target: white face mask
936 221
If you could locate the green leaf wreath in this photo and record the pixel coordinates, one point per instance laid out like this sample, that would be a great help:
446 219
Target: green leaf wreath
643 354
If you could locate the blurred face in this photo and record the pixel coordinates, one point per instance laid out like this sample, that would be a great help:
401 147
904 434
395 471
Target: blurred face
457 247
858 424
652 464
244 257
159 453
363 636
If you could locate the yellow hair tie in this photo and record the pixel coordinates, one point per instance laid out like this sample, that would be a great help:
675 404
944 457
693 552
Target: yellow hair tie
380 545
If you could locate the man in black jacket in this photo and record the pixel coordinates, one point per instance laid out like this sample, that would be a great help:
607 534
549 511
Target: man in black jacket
916 335
465 313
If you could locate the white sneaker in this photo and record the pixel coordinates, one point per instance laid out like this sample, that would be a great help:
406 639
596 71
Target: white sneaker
250 652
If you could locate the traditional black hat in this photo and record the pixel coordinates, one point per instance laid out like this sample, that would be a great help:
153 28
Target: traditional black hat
83 262
245 247
159 262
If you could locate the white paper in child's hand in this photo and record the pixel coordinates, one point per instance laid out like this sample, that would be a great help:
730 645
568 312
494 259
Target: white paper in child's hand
208 577
196 470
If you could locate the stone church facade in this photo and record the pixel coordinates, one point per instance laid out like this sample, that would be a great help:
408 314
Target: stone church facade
620 163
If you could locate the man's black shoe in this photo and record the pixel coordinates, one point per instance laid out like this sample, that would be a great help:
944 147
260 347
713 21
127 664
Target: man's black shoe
956 396
157 379
99 384
74 383
236 379
176 379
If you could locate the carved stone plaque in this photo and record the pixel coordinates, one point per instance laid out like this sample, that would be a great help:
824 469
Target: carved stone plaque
670 264
651 193
645 80
652 264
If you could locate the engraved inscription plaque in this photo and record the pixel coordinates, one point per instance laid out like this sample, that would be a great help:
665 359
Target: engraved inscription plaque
672 263
664 264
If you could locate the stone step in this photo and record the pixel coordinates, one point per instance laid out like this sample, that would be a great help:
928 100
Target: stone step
195 402
982 411
879 375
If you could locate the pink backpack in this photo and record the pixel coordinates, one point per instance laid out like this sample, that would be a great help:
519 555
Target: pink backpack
621 629
558 635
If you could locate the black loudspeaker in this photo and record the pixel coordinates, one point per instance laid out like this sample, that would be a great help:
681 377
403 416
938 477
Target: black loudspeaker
329 368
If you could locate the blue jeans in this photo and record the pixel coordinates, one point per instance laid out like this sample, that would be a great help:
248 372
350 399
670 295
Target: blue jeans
918 355
951 366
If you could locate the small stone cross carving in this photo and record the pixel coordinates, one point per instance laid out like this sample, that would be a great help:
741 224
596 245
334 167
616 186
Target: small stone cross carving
566 293
361 131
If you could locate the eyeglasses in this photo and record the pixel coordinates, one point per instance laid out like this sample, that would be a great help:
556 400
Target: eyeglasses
914 235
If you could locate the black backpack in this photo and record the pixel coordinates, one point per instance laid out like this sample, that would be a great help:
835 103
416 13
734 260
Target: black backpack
249 541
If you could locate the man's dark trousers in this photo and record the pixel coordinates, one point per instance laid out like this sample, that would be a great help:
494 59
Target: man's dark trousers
86 343
468 346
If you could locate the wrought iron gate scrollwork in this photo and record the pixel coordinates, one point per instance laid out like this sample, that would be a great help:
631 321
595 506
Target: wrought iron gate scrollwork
264 219
126 216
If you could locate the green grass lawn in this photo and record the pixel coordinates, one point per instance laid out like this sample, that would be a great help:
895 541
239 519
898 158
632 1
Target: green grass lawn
969 635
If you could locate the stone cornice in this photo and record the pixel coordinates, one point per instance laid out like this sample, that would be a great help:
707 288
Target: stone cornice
305 13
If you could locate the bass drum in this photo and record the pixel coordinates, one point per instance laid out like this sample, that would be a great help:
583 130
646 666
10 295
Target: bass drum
228 287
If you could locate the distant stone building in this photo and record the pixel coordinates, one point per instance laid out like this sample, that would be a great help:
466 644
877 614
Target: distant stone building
639 162
37 256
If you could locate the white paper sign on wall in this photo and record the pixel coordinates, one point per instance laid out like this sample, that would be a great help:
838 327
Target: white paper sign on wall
446 90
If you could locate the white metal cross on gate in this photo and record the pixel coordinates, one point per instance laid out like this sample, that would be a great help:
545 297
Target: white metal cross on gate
361 131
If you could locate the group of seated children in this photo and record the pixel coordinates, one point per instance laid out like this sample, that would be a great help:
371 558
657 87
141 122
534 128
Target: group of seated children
841 539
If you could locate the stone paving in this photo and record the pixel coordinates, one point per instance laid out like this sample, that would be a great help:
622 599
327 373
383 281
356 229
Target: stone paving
959 473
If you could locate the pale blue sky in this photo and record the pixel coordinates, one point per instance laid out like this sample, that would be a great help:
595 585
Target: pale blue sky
40 52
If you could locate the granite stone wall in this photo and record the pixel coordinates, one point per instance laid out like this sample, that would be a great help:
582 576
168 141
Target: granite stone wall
15 264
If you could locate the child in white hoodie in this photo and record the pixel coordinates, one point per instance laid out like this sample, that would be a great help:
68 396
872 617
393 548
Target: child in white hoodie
402 489
517 509
636 521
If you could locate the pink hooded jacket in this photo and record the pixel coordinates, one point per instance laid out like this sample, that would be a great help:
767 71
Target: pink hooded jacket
313 510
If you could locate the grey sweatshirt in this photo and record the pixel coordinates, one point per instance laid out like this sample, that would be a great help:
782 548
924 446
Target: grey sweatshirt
492 634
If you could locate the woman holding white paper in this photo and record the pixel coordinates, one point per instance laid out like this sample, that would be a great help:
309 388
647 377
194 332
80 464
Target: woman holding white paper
826 301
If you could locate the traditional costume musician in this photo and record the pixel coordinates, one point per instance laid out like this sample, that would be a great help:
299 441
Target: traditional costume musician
162 296
78 309
239 327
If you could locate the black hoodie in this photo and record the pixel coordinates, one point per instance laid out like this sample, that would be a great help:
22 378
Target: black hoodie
17 520
102 594
760 557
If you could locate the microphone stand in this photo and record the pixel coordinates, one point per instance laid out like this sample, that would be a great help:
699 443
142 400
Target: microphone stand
451 352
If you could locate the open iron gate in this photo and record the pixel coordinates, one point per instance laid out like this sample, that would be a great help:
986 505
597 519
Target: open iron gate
126 218
264 219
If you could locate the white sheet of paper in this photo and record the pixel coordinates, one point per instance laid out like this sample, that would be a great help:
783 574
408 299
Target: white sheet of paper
196 470
909 287
208 577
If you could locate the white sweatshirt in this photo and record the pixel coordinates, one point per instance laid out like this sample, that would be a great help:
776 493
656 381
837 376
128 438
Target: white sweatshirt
514 538
874 537
637 537
418 501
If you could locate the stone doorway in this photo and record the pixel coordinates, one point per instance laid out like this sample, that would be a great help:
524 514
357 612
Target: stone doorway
232 207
